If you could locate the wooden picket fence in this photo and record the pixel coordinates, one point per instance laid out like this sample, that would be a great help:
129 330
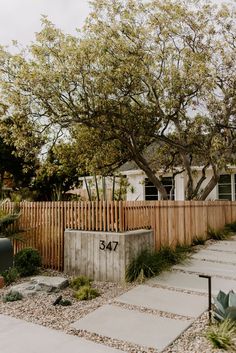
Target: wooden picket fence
172 221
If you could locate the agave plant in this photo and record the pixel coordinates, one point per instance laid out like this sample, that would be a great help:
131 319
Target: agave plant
225 306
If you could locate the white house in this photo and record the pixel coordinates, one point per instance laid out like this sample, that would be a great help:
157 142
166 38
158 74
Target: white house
143 189
139 188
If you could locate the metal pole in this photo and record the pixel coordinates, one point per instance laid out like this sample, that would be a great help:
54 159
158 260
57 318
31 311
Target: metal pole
209 296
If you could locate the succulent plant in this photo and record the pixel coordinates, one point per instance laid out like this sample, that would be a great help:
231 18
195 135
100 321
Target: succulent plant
225 306
12 296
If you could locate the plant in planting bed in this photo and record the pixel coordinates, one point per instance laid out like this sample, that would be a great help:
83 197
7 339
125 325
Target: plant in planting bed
12 296
78 282
27 261
222 335
86 293
225 306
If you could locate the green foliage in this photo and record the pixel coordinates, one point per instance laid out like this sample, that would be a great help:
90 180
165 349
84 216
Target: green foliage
57 174
86 293
222 335
225 306
78 282
6 221
65 302
231 227
151 263
10 275
27 261
218 234
16 168
199 241
12 296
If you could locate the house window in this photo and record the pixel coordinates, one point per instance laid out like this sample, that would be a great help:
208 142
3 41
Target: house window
151 192
225 187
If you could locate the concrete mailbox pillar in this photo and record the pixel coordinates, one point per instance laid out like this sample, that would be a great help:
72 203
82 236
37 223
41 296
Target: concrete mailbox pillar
103 256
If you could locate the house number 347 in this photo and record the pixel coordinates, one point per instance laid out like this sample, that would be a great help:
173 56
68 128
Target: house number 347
111 245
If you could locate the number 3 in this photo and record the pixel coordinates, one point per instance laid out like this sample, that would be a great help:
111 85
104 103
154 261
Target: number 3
102 245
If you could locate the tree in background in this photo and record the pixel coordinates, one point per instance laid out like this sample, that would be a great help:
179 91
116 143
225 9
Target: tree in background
56 174
158 72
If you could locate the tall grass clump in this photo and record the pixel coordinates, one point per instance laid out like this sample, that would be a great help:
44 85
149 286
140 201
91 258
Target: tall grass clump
231 227
222 335
222 234
151 263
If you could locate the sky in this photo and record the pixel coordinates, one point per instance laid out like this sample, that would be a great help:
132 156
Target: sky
20 19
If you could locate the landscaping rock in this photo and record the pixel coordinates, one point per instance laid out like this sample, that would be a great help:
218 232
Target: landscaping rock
41 283
50 282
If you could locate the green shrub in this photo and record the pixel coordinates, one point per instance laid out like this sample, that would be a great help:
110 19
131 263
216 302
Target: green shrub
27 261
86 293
12 296
222 335
151 263
65 302
78 282
10 275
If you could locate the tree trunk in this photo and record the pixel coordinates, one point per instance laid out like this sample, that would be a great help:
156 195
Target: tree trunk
209 187
152 177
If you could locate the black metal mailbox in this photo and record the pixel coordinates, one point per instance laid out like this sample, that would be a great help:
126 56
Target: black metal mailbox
6 254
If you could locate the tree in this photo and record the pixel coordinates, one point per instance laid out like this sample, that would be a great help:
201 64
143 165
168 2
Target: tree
140 73
57 173
15 171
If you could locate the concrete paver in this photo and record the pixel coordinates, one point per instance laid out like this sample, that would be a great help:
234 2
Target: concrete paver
18 336
217 256
132 326
209 268
192 282
228 246
165 300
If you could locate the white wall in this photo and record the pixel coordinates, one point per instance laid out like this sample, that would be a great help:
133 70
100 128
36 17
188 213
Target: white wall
137 182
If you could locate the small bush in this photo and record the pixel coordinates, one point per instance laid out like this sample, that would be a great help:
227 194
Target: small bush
151 263
222 335
65 302
12 296
86 293
78 282
10 275
27 261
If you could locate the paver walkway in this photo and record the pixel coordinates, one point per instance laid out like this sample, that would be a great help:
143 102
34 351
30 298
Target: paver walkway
155 314
18 336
